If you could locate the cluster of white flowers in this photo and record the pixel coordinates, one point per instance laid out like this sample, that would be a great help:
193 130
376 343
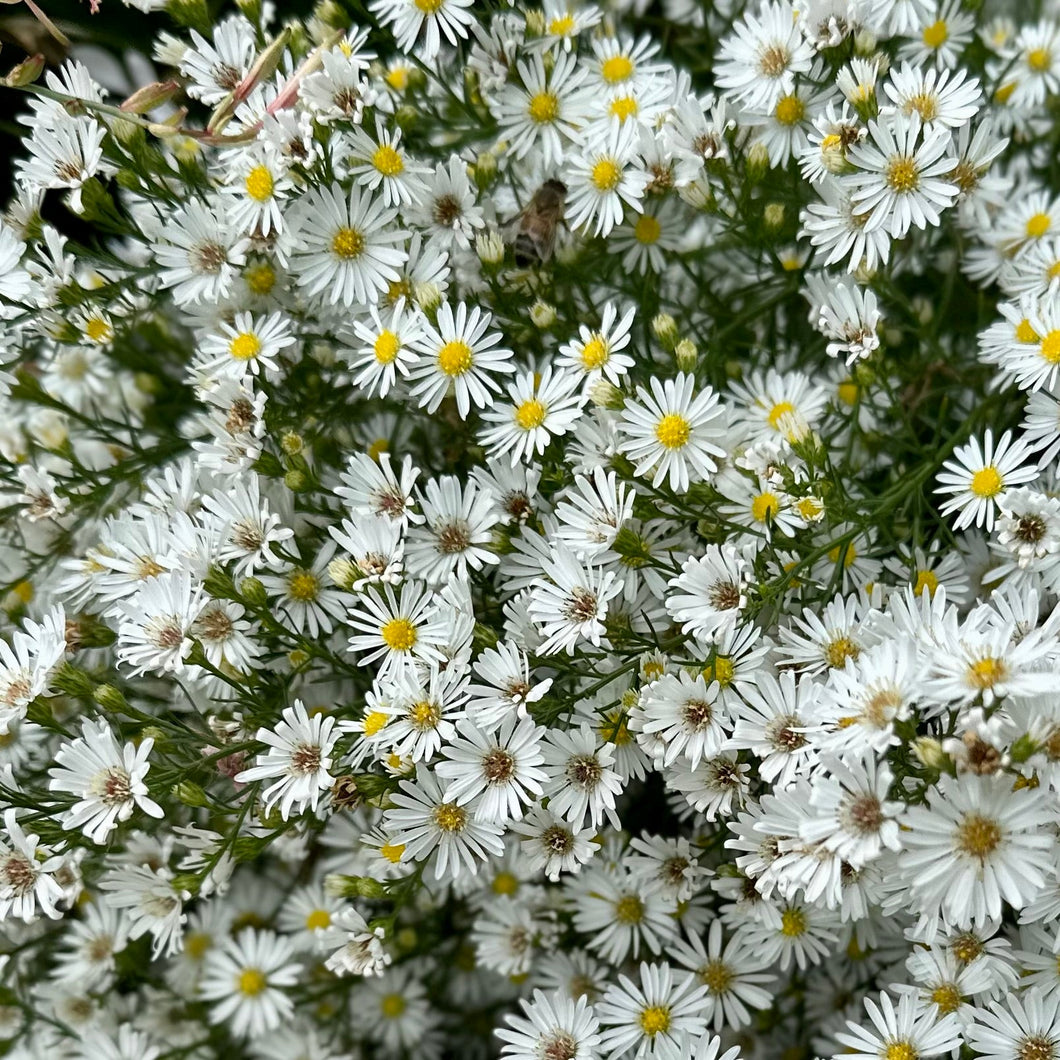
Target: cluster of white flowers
454 599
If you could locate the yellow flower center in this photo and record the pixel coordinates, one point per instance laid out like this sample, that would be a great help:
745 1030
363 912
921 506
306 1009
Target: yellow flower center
318 919
379 446
978 836
716 977
850 553
424 715
836 652
847 392
629 909
1050 350
1004 93
617 68
454 358
925 579
399 634
764 507
935 36
561 26
1025 333
197 944
1039 59
505 883
245 346
722 671
986 672
544 107
398 78
673 431
623 107
429 7
900 1051
655 1020
986 482
347 243
392 852
606 175
530 414
393 1005
259 184
386 347
792 923
902 175
789 110
97 329
260 278
303 585
647 229
252 982
387 161
947 997
373 722
780 412
449 817
1038 225
595 353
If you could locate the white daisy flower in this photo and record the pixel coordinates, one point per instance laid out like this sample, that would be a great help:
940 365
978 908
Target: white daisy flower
905 1029
342 246
248 345
386 165
434 19
604 179
398 630
551 845
299 756
387 352
107 779
27 874
674 434
714 592
552 1025
598 353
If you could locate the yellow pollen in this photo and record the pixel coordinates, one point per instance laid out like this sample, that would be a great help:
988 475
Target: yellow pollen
673 431
303 585
764 507
849 555
347 243
393 1005
318 919
934 36
947 997
792 923
1038 225
505 883
809 508
629 909
986 482
779 412
392 852
245 346
386 347
724 671
399 634
925 579
398 78
196 944
655 1020
617 68
615 729
986 672
1025 333
373 722
1039 59
379 446
530 414
455 358
1004 93
561 26
97 329
606 175
847 392
1054 270
449 817
716 977
1050 350
902 175
978 835
387 161
429 7
544 107
260 278
424 715
259 184
789 110
252 982
623 107
595 353
647 229
837 652
900 1051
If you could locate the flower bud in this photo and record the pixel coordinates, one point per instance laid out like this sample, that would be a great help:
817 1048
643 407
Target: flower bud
292 443
109 698
296 481
150 96
686 354
343 572
190 794
930 753
252 590
26 72
428 297
490 248
757 161
864 42
339 885
605 395
665 328
48 428
485 170
543 314
773 216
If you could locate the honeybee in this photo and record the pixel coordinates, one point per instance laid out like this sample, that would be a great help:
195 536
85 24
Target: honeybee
536 235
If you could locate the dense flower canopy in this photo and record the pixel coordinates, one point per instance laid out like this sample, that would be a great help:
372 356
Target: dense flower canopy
535 531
